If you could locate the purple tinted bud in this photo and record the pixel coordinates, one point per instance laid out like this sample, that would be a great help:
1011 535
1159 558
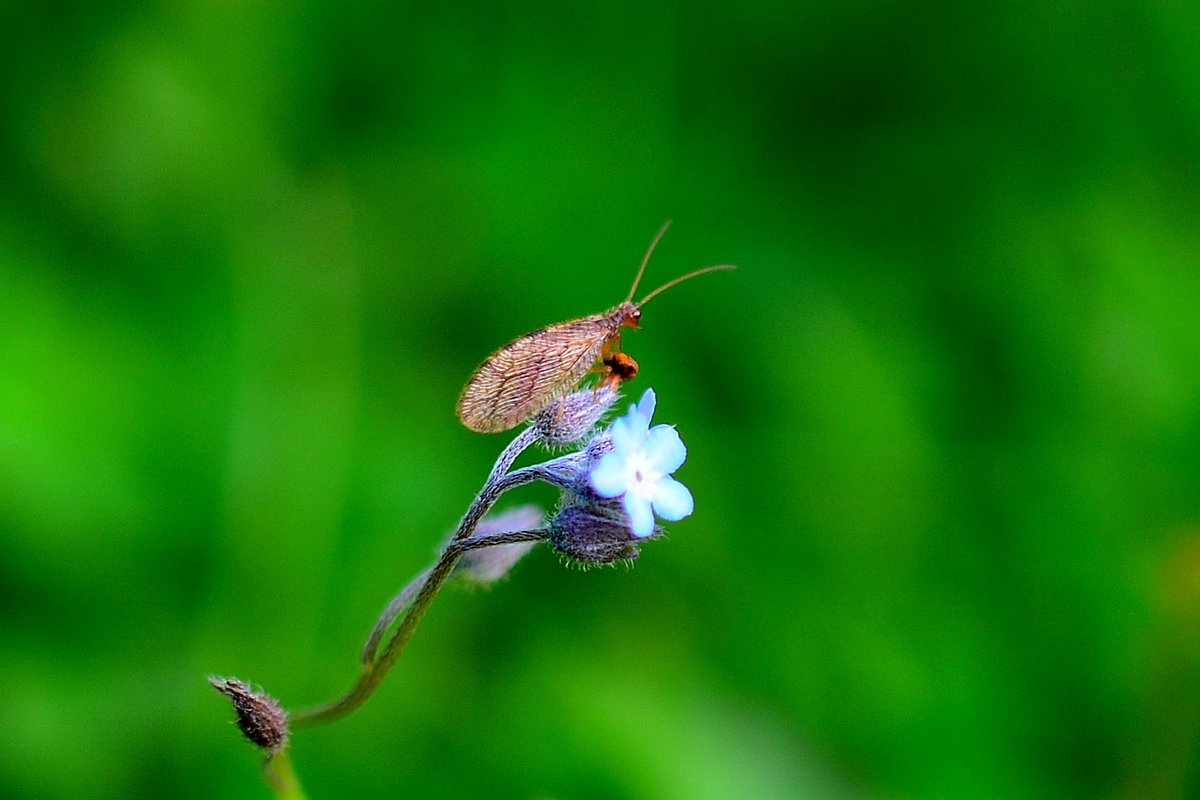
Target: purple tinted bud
574 416
593 534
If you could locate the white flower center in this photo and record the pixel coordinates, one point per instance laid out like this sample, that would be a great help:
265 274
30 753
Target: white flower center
640 476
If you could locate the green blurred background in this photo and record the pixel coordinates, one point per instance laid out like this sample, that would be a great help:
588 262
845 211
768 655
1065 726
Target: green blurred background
944 421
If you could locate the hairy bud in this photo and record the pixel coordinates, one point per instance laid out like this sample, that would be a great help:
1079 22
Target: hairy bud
593 534
574 416
260 717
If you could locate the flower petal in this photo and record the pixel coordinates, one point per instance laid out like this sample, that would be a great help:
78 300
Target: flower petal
641 518
672 500
645 406
629 433
608 476
664 449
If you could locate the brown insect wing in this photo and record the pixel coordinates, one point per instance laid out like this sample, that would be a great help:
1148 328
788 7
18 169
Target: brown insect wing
519 379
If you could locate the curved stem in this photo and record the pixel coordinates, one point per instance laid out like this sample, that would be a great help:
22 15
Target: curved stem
405 596
401 601
372 671
496 539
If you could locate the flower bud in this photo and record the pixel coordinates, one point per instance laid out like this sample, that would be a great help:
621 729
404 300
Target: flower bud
600 445
592 534
260 717
574 416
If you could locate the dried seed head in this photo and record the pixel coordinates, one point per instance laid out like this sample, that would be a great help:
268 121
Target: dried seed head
260 717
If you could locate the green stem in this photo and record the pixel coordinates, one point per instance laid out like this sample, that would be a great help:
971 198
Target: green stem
282 777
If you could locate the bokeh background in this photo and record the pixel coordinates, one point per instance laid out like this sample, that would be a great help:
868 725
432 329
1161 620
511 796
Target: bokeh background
944 421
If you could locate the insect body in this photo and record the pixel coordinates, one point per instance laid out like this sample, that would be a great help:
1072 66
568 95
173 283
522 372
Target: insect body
521 378
620 366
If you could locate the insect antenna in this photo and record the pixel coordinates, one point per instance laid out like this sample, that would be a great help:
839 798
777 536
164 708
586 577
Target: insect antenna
646 260
681 279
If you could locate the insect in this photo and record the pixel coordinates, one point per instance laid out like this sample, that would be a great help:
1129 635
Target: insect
525 375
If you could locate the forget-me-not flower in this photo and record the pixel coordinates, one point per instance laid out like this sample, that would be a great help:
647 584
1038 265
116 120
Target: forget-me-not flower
638 470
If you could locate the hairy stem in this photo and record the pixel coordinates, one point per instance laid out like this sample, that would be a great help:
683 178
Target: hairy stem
374 665
397 604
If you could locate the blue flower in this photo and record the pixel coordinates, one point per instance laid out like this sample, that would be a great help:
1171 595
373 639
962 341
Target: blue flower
639 468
